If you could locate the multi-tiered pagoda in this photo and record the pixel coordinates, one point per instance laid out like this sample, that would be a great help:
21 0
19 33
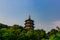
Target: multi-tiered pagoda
29 23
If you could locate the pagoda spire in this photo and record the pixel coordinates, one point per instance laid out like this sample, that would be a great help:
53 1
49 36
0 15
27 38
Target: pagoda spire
29 17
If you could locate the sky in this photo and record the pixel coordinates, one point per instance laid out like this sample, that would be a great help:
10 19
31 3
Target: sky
45 13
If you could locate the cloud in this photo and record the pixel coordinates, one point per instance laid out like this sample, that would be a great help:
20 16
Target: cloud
47 26
56 23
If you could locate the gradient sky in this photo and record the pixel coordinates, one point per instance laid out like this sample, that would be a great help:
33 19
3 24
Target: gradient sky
45 13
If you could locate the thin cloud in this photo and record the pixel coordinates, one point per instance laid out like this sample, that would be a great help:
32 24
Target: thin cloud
56 23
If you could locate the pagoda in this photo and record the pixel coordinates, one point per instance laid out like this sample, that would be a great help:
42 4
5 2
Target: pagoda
29 23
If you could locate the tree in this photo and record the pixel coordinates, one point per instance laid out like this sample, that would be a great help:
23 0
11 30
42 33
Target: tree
3 26
4 34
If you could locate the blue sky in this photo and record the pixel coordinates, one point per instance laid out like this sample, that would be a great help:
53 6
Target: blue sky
45 13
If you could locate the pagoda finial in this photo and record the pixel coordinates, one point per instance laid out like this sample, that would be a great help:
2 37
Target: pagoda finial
29 17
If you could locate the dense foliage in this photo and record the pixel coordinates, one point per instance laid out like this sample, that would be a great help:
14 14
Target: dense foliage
17 32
